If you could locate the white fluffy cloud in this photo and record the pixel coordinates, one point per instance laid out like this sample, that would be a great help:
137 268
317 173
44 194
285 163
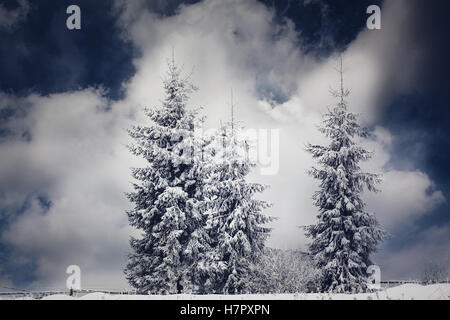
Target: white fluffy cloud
77 159
76 153
406 195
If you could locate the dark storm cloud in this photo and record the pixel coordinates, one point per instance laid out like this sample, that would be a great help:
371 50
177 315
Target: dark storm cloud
420 124
166 7
13 13
420 120
429 34
324 25
42 55
427 111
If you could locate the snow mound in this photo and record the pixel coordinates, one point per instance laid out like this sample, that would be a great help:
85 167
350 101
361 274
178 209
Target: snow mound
59 297
403 292
96 296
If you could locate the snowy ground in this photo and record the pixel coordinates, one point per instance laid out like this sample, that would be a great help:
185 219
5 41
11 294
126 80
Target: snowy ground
403 292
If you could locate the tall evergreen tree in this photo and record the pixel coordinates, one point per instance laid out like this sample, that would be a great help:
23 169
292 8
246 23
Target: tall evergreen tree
345 234
169 207
236 222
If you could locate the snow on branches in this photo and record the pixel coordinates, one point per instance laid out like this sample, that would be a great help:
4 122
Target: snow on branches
168 202
345 234
202 229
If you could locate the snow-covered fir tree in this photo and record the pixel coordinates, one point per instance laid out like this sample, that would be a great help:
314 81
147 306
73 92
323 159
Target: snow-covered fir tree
169 207
345 234
237 224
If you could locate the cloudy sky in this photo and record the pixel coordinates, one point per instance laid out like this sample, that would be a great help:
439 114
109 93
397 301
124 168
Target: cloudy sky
68 96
